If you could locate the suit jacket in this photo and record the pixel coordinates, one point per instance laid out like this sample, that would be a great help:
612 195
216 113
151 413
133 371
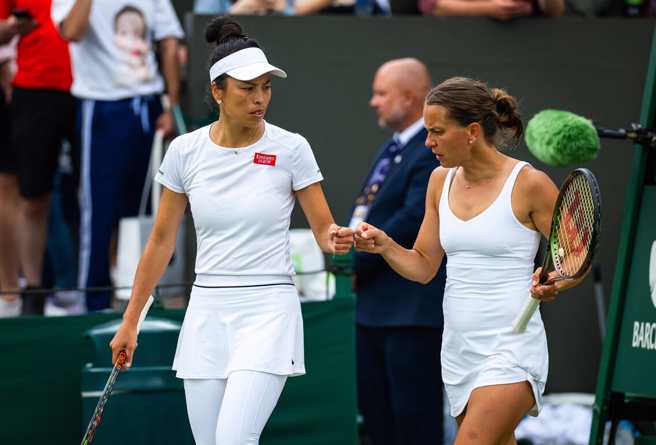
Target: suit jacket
384 297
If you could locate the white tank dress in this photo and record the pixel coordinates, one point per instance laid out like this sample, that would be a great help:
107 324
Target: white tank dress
489 267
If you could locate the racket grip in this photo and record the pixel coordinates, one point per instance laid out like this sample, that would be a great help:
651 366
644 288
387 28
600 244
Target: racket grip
120 360
520 323
144 312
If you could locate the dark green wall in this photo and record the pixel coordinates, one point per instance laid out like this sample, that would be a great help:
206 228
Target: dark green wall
40 383
594 67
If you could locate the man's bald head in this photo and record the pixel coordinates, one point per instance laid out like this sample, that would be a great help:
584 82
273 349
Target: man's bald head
399 89
408 74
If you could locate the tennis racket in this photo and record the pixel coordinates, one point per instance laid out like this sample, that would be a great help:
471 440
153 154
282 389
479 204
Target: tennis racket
575 229
107 391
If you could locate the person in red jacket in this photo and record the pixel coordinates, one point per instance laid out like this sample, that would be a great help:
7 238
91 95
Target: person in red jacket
42 117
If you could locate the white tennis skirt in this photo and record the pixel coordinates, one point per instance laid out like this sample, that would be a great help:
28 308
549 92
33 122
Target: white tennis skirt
241 328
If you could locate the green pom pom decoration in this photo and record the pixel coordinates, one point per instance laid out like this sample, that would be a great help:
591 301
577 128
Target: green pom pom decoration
560 138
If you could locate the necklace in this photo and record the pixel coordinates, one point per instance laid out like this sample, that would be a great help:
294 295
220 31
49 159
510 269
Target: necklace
214 128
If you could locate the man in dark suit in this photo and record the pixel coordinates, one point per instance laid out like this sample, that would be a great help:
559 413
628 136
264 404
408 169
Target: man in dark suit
399 322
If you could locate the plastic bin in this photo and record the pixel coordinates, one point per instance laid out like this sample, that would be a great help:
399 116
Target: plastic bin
147 405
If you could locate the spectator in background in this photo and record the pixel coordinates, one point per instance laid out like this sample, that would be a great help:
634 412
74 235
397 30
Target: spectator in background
398 322
118 87
9 303
498 9
265 7
42 114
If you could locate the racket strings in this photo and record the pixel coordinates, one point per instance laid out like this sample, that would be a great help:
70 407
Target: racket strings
563 246
573 227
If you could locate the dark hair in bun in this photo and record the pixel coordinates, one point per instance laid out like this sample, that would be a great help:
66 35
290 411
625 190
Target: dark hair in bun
507 113
229 38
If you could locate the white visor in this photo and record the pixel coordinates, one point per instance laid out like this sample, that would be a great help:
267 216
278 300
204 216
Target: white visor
245 64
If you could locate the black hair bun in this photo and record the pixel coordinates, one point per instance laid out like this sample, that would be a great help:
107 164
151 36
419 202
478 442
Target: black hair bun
221 29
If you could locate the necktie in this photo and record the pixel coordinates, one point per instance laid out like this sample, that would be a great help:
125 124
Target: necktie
380 171
378 175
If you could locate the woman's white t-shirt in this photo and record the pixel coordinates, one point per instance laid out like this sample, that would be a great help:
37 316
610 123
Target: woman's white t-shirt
241 198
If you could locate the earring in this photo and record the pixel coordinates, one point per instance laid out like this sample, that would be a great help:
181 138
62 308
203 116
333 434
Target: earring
219 101
471 141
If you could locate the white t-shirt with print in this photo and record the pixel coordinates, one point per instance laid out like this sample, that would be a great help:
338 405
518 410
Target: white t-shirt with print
115 58
241 198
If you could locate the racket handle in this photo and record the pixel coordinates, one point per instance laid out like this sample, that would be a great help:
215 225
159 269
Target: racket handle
120 360
520 323
144 312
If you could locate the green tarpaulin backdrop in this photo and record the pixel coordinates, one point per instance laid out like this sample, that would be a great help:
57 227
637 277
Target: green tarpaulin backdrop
42 359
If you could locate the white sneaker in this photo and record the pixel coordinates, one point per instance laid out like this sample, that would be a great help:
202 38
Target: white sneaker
10 308
65 303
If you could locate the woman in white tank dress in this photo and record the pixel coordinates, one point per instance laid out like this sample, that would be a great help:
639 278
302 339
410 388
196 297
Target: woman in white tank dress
486 212
243 333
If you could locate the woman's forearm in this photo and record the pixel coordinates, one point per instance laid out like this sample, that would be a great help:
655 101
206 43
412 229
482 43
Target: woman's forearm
322 235
151 267
410 263
316 210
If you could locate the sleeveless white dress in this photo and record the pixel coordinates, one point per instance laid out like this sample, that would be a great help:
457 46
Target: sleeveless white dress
489 267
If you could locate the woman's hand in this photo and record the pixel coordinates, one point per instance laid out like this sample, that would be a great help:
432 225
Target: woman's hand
125 339
370 239
341 239
547 291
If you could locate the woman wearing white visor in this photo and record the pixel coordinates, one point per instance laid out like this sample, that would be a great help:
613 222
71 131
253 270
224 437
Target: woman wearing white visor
243 333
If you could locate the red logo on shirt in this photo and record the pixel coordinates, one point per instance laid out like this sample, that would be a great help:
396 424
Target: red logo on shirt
264 159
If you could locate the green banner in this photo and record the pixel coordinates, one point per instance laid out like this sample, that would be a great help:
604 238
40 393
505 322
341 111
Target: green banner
636 353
